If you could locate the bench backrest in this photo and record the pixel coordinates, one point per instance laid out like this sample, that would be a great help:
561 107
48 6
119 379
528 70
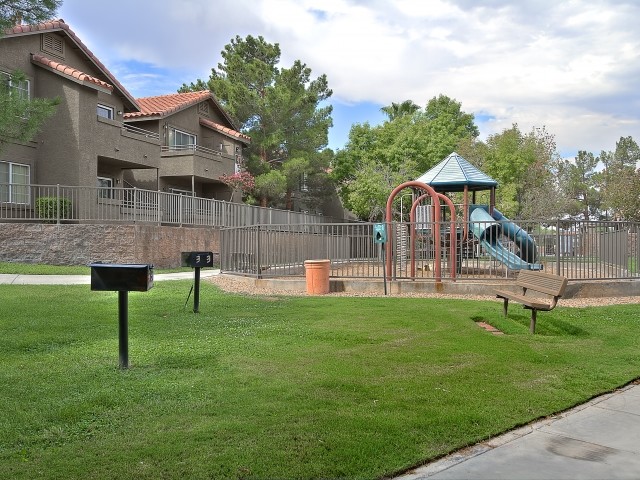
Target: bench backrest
542 282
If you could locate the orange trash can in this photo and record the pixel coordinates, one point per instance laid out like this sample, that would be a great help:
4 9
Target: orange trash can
317 275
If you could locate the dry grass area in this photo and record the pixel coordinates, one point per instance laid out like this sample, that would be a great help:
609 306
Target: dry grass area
248 286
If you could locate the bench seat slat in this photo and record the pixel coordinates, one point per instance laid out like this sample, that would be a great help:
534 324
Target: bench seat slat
550 284
528 301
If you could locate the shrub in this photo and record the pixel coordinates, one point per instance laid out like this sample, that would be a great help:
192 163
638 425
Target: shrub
48 208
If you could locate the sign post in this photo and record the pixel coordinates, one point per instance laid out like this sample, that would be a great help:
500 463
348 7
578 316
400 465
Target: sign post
380 237
197 260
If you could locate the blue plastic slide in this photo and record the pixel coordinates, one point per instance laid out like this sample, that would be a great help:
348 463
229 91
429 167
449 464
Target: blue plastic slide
488 229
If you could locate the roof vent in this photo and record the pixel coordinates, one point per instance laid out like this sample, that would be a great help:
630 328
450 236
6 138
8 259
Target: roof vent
203 108
53 44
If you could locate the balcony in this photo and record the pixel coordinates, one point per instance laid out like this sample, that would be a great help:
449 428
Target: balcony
195 160
134 146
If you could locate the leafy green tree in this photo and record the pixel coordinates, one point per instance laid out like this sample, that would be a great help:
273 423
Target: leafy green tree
579 182
271 185
280 108
525 166
21 117
620 185
400 149
13 12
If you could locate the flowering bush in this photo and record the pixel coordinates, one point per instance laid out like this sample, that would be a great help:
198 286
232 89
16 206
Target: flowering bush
243 181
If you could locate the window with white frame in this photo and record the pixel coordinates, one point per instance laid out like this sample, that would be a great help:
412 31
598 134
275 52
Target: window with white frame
179 140
105 187
180 191
17 86
15 181
105 111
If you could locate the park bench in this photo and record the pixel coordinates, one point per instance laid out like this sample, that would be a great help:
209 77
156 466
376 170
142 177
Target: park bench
549 285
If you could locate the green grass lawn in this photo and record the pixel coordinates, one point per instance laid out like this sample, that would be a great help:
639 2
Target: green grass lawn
41 269
299 387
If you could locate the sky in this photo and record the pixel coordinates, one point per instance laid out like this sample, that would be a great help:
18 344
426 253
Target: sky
570 66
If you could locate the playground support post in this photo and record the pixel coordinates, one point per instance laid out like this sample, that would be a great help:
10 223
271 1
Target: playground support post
436 202
454 237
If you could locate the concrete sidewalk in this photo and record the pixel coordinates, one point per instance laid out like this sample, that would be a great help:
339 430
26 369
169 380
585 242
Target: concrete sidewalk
15 279
597 440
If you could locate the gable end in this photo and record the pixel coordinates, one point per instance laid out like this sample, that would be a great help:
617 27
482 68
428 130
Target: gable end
53 44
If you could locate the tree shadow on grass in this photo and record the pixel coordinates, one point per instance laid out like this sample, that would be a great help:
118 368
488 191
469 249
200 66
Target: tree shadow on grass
548 324
517 322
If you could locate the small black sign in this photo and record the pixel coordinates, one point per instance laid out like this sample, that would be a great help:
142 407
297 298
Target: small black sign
197 259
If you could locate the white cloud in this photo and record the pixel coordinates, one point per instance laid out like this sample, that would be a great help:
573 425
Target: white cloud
570 66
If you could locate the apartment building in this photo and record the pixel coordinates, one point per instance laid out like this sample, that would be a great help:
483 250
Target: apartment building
100 135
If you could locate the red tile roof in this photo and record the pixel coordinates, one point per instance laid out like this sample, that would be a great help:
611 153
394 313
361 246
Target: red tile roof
164 105
225 130
70 72
60 26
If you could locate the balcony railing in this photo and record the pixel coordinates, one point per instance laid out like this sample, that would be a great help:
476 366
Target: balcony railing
70 204
193 149
140 131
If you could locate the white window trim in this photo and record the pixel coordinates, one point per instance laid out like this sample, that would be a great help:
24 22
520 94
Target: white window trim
172 135
106 108
11 186
18 88
105 192
180 191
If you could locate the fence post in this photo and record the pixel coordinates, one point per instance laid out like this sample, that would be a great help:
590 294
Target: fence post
135 203
258 272
58 203
558 272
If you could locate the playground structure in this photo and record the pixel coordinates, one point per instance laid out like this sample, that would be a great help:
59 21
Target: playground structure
482 224
441 242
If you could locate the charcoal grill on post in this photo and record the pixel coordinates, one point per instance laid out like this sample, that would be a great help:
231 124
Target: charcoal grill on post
122 278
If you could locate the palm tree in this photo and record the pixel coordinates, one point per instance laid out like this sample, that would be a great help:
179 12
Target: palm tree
396 110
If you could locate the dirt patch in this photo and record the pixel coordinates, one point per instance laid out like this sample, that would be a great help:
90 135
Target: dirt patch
247 286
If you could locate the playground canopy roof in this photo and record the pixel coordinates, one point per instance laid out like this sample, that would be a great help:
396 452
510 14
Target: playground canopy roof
454 173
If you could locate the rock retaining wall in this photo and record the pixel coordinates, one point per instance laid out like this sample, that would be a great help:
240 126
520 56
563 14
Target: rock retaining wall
83 244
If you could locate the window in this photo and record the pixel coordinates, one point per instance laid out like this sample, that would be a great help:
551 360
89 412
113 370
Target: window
17 86
105 111
179 140
179 191
304 187
105 187
14 183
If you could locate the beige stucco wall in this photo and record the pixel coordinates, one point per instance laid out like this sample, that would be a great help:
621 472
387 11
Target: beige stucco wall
83 244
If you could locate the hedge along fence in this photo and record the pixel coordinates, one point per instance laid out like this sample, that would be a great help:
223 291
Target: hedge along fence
53 208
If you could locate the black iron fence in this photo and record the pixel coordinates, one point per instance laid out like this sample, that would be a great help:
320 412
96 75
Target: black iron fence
473 251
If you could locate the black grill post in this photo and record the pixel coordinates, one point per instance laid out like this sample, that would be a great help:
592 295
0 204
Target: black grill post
122 278
123 328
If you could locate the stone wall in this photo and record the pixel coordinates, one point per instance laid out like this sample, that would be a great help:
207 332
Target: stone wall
83 244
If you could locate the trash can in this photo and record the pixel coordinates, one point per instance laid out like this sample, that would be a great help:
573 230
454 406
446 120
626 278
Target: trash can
317 275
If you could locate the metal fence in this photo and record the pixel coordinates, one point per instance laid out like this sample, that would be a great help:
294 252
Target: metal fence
478 251
68 204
